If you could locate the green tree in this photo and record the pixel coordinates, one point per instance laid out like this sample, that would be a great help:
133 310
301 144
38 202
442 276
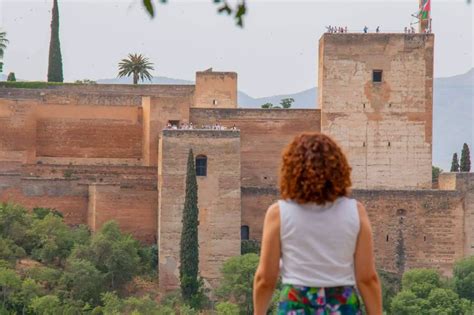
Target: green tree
29 290
46 305
406 303
189 244
227 308
9 251
435 171
55 64
41 213
391 284
15 224
286 102
9 284
455 163
446 301
112 253
463 276
82 281
11 77
136 65
46 276
465 159
249 246
237 281
3 46
270 106
54 239
421 281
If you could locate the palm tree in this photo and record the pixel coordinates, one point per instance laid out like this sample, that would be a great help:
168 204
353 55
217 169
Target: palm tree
3 42
136 65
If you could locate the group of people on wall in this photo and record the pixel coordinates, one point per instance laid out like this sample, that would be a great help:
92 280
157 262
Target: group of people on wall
191 126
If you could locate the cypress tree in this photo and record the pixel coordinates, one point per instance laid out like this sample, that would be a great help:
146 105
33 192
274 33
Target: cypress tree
465 158
189 246
455 163
55 65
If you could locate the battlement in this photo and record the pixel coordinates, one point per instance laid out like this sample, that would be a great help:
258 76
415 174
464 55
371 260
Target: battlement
216 89
201 133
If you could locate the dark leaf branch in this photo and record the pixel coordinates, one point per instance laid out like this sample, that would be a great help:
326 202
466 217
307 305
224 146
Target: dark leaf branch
224 7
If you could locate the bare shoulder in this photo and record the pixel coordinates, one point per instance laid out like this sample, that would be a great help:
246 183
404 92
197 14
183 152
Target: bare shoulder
362 212
273 212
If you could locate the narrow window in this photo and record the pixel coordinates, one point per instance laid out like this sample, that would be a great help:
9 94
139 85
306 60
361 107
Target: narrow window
389 143
201 165
377 76
386 239
363 144
244 232
214 102
424 238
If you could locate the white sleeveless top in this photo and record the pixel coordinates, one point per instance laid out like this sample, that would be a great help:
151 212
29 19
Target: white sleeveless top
318 243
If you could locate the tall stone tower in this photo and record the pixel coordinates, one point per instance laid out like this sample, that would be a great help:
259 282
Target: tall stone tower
376 98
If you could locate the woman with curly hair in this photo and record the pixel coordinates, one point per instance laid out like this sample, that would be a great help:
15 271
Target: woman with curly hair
316 237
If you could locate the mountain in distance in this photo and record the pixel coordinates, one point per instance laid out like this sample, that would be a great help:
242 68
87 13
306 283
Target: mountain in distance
154 80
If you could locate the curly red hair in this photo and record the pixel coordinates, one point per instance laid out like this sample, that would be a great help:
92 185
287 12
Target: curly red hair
314 169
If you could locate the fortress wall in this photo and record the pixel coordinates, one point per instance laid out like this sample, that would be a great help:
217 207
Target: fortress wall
216 89
97 132
219 201
263 134
17 131
385 127
66 189
133 208
70 197
33 131
463 182
96 94
425 228
158 111
88 174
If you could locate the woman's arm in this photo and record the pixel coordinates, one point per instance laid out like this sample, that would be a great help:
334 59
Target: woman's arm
366 276
269 266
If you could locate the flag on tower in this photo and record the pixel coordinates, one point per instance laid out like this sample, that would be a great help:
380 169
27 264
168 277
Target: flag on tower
425 9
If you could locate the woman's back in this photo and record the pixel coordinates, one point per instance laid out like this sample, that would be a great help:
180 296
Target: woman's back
318 242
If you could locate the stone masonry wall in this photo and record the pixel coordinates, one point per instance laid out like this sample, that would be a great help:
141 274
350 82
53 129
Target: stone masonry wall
385 127
216 89
218 201
411 228
264 133
133 208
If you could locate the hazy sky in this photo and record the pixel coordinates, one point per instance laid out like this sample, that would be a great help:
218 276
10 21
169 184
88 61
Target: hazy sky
275 53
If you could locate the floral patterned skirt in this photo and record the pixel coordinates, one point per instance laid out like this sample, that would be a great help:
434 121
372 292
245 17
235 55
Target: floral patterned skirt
296 300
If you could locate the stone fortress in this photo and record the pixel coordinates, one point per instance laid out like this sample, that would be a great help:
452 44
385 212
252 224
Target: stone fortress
103 152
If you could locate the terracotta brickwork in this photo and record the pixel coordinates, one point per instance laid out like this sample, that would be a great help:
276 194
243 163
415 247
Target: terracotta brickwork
218 201
133 208
216 89
100 152
385 127
264 134
411 228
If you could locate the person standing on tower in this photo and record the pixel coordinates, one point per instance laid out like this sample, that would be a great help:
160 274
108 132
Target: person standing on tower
366 29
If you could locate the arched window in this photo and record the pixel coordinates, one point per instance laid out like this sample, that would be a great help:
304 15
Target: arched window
244 232
201 165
